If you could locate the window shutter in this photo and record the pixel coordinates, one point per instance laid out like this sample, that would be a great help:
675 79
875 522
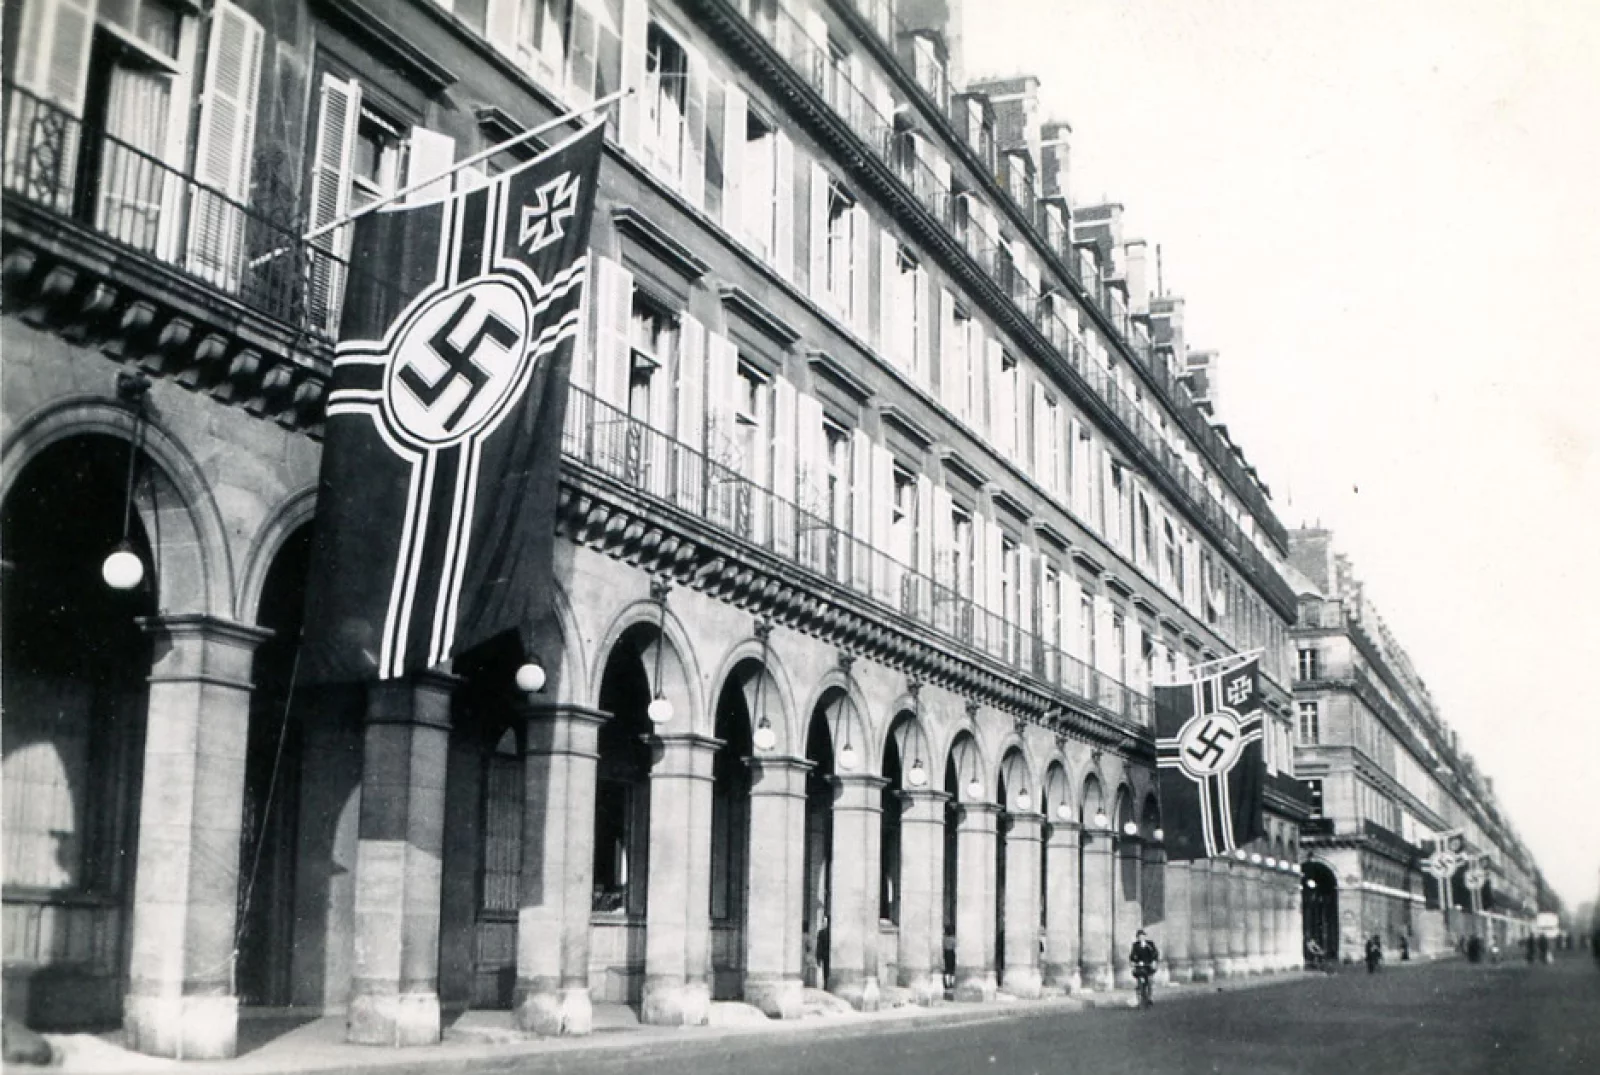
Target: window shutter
927 530
812 452
1025 605
1042 433
818 229
892 339
1106 659
980 561
501 26
860 502
54 64
944 536
735 106
952 380
722 383
885 578
995 567
784 437
921 343
1002 400
817 30
429 154
630 113
861 271
784 188
338 113
976 368
613 356
225 145
690 420
694 121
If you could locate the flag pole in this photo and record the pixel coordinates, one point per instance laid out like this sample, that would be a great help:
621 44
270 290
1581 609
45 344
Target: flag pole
1214 667
466 162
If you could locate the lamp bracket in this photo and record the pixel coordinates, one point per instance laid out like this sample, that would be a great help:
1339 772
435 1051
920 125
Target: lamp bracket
763 629
660 587
132 386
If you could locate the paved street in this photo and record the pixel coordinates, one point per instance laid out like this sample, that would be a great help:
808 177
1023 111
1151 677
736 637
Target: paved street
1450 1018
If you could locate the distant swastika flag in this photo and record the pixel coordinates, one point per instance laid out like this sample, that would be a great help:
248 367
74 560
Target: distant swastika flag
1209 757
436 502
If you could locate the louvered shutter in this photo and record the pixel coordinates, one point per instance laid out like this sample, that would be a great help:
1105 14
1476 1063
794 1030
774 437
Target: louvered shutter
613 364
225 145
861 271
338 113
886 576
735 119
995 567
1042 432
1106 655
811 480
944 541
785 256
784 440
924 539
860 508
723 461
1028 629
54 61
891 318
817 281
694 121
921 341
952 379
977 371
630 114
690 421
1002 400
500 26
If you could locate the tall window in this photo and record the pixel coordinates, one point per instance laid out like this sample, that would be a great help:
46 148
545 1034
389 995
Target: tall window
759 184
1049 417
1310 724
840 91
910 334
961 558
1310 664
970 363
575 43
903 526
1145 550
653 337
1008 424
1086 629
1119 640
1010 579
666 88
1117 506
1050 608
838 256
1171 571
1314 791
753 424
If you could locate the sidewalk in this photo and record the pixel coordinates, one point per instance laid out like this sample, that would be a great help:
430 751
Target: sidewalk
309 1044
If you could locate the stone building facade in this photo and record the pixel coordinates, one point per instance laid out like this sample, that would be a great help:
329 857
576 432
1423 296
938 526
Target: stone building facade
883 505
1388 778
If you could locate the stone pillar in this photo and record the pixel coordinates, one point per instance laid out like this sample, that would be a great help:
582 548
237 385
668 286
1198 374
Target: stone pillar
975 909
1297 948
1202 966
180 1000
853 917
1095 960
1254 952
394 992
1127 913
774 912
921 959
563 752
1153 903
1222 898
1061 909
1020 974
677 946
1238 920
1180 966
1279 948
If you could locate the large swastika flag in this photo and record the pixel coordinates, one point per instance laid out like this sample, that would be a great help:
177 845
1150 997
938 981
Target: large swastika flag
1209 756
435 507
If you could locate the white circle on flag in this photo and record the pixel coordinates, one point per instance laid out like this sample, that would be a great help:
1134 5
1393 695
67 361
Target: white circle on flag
1209 743
457 363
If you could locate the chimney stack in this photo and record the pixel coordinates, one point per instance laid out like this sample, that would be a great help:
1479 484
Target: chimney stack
1055 160
1015 102
1134 259
1200 374
947 18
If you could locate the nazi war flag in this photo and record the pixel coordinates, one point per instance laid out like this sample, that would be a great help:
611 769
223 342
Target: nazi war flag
1209 757
436 501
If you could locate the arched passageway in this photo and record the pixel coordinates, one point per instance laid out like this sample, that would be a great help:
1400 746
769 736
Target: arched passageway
743 693
1319 906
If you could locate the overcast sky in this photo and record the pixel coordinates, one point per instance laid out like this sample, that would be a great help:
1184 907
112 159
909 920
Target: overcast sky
1386 217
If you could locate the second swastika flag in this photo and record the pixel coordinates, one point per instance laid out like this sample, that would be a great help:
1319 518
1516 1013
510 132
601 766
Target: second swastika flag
436 502
1209 757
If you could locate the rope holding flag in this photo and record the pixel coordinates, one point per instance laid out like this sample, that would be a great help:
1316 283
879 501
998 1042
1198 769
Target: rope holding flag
1209 760
442 447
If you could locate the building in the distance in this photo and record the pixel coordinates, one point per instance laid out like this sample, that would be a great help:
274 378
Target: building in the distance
1390 785
884 503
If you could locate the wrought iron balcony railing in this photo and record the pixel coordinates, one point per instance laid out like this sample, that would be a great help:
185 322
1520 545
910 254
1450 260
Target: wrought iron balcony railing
663 468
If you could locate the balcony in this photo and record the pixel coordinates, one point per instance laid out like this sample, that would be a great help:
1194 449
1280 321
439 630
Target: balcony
877 137
676 475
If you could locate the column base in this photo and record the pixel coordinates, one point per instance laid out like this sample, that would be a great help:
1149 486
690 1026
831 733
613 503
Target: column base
393 1019
1122 977
925 985
1024 982
182 1027
1202 970
861 991
1097 976
1180 970
553 1011
1256 964
779 998
675 1003
975 986
1063 977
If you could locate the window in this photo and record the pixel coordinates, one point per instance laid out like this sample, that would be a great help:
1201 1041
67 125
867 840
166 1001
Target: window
969 362
1047 437
1310 664
759 185
840 92
837 492
1117 506
909 332
573 44
1310 724
1119 641
753 424
1008 416
375 162
666 88
1172 570
653 340
1144 551
1147 659
1086 629
902 523
838 253
1050 608
962 560
1010 580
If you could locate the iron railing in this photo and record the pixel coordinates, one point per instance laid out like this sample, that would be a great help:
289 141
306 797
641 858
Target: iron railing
710 486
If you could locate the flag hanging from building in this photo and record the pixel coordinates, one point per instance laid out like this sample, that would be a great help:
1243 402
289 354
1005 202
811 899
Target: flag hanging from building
1209 757
436 501
1443 860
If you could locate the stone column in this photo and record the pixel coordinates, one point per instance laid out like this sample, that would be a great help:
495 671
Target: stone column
774 911
1180 966
1020 976
921 960
1095 960
1202 967
1279 948
1222 903
180 1000
1153 903
552 994
1127 913
677 947
1238 920
1061 909
1297 948
853 917
394 992
975 909
1252 919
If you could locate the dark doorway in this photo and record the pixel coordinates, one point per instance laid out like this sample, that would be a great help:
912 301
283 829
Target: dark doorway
1319 903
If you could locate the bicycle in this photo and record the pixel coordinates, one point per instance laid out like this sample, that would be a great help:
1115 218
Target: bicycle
1144 976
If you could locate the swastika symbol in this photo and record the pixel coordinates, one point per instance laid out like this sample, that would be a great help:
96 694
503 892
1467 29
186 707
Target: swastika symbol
1238 690
1214 738
458 361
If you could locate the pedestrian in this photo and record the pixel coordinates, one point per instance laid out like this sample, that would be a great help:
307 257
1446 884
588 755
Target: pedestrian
1143 956
1374 953
1544 948
1594 942
1405 949
1531 945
